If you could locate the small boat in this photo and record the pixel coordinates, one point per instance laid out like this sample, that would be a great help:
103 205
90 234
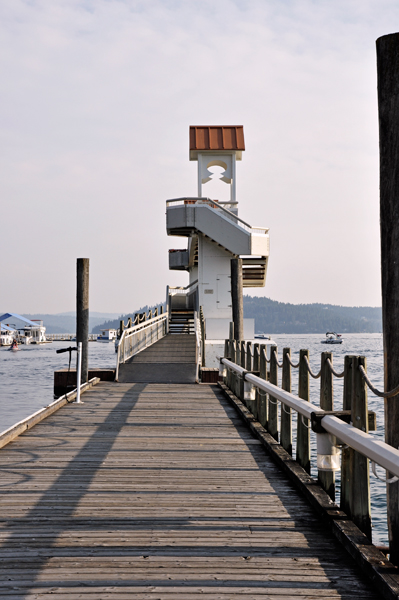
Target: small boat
262 336
107 335
332 338
14 346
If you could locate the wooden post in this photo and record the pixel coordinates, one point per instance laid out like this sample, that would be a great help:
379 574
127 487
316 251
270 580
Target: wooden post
262 402
243 355
248 364
121 327
255 367
327 478
345 502
303 425
231 331
272 423
359 465
388 109
82 313
286 418
236 298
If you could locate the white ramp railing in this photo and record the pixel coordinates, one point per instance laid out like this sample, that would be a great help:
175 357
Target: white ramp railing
135 339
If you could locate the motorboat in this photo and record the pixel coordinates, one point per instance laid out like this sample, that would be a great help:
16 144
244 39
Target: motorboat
262 336
6 335
107 335
332 338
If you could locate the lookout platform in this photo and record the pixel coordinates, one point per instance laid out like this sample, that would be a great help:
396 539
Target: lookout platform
159 491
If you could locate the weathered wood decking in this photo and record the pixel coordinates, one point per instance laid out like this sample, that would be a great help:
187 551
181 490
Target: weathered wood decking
159 491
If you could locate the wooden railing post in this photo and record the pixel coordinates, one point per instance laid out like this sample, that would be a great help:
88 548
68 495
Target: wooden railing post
248 364
286 418
243 355
346 482
255 367
360 511
327 478
303 426
262 402
272 424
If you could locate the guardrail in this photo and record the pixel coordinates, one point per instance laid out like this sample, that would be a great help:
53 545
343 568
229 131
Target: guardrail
245 373
135 339
217 206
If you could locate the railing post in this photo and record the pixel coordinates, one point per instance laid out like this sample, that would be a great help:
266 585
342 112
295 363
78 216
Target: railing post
255 367
360 511
346 483
286 418
243 355
303 427
248 365
237 352
327 478
262 401
272 424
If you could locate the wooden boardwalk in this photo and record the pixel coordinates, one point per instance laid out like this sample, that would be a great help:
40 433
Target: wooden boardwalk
159 491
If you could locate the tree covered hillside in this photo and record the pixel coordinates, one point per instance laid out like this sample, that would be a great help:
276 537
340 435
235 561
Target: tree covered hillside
279 317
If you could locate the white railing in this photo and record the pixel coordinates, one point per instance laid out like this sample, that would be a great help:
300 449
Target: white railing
135 339
377 451
217 206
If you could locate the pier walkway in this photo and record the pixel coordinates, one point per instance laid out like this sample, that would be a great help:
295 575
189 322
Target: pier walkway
159 491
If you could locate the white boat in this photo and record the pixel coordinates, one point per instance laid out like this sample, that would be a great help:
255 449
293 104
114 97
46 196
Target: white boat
107 335
7 335
332 338
262 336
33 332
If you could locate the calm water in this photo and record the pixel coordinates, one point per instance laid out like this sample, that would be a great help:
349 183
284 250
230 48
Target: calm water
26 380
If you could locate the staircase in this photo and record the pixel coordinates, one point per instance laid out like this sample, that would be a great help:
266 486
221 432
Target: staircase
181 321
170 360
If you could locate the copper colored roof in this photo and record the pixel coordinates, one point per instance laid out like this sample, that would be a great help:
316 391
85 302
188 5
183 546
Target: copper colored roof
216 138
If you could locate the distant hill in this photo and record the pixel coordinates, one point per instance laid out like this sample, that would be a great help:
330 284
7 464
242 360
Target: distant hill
65 323
279 317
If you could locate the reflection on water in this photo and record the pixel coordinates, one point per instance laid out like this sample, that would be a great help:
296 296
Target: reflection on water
26 379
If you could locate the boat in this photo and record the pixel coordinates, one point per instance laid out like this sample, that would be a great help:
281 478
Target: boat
31 333
14 346
262 336
6 335
107 335
332 338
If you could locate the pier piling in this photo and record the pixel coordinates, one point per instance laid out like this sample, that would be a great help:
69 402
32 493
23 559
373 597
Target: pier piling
82 313
388 111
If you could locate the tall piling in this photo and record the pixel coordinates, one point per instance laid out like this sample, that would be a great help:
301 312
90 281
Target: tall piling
236 298
388 112
82 313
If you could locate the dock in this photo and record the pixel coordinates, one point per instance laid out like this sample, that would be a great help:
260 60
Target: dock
152 491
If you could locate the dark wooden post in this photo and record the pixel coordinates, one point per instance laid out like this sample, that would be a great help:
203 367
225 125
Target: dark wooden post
82 313
236 298
263 403
243 355
248 364
286 418
360 511
272 423
231 331
345 503
388 109
303 429
327 478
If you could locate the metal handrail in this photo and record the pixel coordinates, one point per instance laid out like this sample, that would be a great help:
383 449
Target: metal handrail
121 356
377 451
198 338
230 214
183 288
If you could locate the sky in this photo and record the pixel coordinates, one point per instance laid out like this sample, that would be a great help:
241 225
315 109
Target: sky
96 101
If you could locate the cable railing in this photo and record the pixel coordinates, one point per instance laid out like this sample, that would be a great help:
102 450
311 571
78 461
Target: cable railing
343 440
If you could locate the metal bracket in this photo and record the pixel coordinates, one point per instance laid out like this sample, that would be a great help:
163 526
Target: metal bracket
344 415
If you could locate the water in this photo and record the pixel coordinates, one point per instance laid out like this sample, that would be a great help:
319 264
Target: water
26 384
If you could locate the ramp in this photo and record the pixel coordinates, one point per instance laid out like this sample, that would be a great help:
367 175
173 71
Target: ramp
170 360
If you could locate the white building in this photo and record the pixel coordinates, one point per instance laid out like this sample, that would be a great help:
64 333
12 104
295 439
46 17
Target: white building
215 235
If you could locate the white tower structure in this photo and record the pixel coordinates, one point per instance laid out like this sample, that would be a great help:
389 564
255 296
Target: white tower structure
215 235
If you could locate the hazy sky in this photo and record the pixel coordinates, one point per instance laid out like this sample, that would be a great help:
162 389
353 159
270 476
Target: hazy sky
96 101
